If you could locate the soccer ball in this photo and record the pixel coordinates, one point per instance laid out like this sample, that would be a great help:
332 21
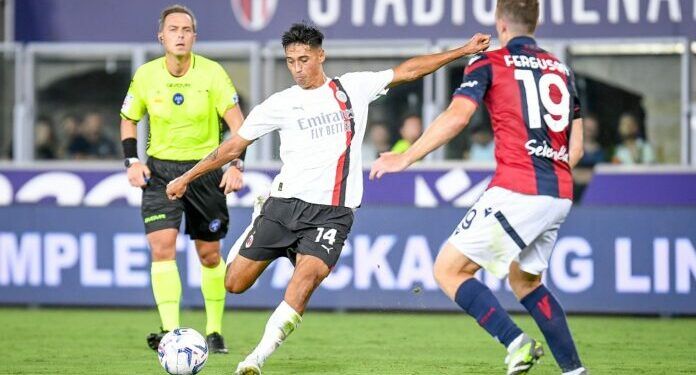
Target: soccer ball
183 351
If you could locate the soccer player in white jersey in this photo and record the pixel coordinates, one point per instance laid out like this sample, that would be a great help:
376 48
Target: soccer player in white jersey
309 214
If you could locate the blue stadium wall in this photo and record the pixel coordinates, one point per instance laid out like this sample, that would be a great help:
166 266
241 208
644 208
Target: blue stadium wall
76 238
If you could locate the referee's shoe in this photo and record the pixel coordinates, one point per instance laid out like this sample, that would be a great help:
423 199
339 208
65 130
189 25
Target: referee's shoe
216 343
154 339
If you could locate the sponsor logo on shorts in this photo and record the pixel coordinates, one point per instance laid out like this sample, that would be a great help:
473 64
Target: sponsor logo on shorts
215 225
249 240
178 99
328 249
156 217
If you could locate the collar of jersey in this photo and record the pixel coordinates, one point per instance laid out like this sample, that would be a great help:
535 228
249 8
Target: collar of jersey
193 65
326 82
521 41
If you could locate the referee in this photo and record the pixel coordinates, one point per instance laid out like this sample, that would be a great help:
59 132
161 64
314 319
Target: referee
185 96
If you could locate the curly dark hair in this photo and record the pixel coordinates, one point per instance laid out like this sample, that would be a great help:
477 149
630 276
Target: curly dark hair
303 33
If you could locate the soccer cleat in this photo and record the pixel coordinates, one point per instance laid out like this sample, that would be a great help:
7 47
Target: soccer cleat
578 371
524 356
247 367
154 339
216 343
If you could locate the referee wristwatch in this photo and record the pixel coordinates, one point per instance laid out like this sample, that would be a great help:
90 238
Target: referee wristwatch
130 161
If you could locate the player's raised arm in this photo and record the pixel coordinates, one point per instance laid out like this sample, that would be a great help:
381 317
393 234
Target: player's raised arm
419 66
448 124
226 152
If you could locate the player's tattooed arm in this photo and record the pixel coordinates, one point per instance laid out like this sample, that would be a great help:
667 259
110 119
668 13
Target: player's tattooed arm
419 66
226 152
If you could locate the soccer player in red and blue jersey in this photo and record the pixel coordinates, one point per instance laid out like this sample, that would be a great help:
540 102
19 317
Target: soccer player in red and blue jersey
512 228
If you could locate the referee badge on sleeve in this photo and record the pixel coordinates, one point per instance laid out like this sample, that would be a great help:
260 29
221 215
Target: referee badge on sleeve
235 98
127 101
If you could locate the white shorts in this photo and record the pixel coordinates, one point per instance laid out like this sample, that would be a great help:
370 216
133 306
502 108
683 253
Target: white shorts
505 226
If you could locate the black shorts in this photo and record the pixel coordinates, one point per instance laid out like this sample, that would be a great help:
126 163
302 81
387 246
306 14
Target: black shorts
286 227
204 203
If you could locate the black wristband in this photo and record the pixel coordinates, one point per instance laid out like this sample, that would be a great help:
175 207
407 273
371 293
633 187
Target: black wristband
130 148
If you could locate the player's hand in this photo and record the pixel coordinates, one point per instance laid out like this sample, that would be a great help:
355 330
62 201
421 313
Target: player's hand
388 162
478 43
232 180
138 174
176 188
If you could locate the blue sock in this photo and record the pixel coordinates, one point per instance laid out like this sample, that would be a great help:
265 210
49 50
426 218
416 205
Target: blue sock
479 302
550 318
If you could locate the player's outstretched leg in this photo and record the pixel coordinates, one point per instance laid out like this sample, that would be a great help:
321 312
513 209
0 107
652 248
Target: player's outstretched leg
549 316
454 273
213 290
280 325
309 272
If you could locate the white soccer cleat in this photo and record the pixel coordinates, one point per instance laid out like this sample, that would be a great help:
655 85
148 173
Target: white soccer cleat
523 356
578 371
247 367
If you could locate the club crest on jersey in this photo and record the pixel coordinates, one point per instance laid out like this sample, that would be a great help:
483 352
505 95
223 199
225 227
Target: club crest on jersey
178 99
341 96
254 15
249 240
215 225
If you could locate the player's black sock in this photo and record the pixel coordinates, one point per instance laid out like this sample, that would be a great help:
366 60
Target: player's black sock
479 302
550 318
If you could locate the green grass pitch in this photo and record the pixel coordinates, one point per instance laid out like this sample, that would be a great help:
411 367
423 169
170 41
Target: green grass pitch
96 341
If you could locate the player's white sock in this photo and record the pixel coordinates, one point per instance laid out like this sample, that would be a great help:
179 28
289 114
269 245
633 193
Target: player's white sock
282 322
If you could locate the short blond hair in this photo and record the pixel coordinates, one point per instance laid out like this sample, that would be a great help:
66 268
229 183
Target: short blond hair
176 8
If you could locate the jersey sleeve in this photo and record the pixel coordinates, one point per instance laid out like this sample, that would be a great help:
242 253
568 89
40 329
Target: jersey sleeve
224 93
133 107
368 85
264 118
477 79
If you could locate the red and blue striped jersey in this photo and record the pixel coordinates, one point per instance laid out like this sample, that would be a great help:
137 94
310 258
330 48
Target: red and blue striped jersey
532 101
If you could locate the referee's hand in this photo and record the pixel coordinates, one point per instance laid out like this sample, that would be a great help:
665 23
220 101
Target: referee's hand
138 174
231 180
176 188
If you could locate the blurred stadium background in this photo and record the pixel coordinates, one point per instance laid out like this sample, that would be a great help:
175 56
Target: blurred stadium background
70 233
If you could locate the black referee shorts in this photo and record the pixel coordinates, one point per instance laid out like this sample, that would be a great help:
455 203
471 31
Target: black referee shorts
287 226
203 203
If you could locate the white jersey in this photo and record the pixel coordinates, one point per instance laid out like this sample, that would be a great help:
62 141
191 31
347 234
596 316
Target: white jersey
321 134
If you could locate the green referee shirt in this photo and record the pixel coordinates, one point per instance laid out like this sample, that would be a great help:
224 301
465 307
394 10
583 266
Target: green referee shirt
184 111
